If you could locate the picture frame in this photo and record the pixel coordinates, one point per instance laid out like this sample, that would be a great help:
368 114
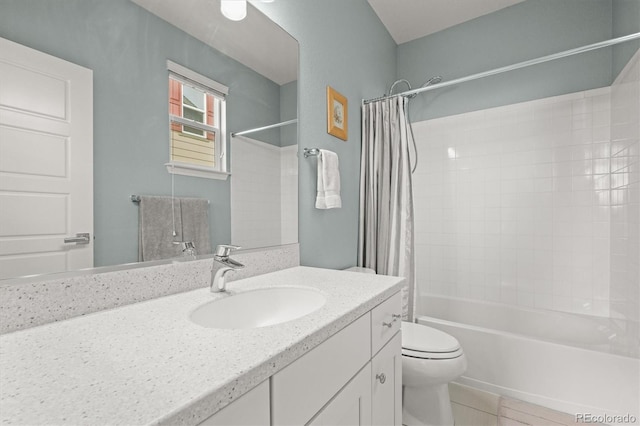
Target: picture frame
337 114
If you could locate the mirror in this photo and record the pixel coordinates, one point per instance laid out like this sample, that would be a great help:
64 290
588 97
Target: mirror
127 44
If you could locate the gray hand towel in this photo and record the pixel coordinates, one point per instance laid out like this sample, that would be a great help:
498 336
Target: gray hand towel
156 226
195 223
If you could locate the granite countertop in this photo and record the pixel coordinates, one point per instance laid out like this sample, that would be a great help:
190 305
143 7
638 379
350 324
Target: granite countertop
147 363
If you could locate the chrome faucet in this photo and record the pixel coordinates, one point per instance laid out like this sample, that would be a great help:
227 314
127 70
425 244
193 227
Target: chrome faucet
218 281
188 249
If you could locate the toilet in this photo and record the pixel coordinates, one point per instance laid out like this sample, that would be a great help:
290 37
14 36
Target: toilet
430 360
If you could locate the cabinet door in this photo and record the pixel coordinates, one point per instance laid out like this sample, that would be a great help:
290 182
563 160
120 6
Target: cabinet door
301 389
351 406
386 384
252 408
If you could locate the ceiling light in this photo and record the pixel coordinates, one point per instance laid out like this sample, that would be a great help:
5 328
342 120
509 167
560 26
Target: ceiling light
236 10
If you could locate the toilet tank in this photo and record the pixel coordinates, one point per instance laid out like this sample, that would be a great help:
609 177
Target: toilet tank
361 269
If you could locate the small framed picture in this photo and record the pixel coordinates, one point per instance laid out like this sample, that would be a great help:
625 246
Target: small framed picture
337 117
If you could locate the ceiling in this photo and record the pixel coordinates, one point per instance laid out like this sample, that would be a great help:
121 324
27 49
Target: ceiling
408 20
255 41
266 48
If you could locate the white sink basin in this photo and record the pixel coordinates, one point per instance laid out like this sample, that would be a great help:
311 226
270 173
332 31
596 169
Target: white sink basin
258 308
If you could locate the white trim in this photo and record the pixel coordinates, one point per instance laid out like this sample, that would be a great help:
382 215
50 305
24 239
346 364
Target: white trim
192 123
185 169
219 91
197 78
221 141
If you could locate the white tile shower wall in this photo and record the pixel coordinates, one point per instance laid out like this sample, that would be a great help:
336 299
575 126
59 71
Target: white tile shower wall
513 204
255 193
289 194
625 195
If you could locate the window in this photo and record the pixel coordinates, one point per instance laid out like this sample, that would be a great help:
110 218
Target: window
194 107
197 124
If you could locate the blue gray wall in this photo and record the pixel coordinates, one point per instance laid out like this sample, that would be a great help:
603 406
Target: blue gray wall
527 30
127 49
344 45
626 20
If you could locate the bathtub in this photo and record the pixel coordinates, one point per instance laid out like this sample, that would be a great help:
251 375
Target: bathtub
557 360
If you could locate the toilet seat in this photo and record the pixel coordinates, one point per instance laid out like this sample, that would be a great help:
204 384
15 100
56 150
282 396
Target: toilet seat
432 355
420 341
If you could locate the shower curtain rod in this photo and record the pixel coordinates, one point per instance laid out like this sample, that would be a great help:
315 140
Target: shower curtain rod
516 66
271 126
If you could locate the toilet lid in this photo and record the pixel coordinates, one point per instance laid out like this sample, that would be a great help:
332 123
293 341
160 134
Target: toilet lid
420 338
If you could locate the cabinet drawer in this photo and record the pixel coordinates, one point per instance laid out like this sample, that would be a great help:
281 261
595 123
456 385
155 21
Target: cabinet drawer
385 322
300 390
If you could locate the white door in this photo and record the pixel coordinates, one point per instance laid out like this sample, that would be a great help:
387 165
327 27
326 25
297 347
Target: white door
46 162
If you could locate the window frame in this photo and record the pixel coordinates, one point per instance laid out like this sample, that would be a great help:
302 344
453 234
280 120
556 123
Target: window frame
219 93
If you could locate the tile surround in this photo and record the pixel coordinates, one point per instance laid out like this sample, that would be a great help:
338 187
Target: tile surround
289 194
625 196
532 204
264 193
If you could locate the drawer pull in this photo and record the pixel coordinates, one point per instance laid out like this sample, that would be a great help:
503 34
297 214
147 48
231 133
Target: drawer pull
381 377
395 317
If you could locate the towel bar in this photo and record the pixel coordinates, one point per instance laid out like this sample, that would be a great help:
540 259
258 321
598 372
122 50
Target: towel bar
308 152
136 199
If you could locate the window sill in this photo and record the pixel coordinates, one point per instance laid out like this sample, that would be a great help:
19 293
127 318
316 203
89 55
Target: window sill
196 171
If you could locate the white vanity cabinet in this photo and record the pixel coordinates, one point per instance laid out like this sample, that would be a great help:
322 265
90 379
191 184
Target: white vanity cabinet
353 378
335 383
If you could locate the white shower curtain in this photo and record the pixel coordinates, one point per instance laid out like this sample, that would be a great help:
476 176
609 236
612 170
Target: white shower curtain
385 241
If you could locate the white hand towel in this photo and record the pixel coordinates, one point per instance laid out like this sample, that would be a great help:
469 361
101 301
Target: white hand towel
328 181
